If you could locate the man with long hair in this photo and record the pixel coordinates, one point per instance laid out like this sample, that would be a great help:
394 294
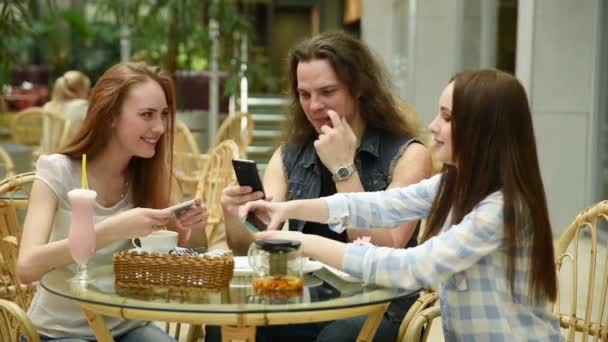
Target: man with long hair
346 132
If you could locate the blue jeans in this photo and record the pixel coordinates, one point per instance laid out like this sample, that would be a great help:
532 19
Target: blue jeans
144 333
291 332
346 330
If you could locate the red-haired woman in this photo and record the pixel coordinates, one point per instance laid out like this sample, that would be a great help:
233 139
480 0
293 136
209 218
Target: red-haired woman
488 242
127 137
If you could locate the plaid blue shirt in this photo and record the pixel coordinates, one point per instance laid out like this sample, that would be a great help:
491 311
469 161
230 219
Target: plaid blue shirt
468 260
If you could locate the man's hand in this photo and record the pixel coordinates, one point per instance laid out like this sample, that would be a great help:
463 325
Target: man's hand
235 196
336 146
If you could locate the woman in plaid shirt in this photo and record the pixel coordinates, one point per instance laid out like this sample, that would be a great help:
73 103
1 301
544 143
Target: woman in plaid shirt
488 241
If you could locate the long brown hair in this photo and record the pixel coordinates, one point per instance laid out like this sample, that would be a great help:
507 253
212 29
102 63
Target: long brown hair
494 149
151 176
356 67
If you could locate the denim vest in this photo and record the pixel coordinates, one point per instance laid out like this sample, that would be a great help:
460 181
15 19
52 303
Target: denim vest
373 160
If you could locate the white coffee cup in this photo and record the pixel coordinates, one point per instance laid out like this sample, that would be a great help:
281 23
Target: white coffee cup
161 241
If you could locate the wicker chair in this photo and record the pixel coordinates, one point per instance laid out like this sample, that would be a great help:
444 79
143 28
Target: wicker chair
184 140
16 190
187 161
187 168
15 324
215 176
26 126
238 127
53 131
411 326
7 166
14 194
586 317
10 287
43 131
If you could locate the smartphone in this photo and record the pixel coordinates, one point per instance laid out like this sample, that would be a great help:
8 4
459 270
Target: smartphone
247 175
178 209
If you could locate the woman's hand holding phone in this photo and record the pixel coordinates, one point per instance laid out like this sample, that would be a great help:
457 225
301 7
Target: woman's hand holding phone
187 216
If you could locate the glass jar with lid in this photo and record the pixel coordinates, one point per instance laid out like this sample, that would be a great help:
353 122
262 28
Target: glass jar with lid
278 267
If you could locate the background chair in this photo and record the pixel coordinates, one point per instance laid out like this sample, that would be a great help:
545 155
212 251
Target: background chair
187 161
41 130
184 141
14 323
215 176
26 126
582 266
7 166
53 131
237 127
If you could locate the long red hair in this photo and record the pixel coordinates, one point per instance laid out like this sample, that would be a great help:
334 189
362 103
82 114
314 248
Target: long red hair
151 185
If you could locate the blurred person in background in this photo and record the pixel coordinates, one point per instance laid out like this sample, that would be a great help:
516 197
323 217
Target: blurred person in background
69 101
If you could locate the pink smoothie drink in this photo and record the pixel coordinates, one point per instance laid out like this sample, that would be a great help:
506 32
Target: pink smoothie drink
81 239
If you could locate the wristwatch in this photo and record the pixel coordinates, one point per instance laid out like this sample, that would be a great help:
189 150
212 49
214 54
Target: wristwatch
344 172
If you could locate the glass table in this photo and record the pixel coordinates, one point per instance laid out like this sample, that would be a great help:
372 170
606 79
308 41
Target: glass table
325 297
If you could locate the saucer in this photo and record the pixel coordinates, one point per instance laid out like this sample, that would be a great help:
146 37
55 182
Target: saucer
241 266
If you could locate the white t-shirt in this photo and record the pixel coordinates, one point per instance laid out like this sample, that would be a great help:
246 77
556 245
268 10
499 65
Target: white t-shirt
56 316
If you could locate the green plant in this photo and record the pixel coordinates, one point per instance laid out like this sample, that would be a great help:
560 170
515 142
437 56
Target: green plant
14 19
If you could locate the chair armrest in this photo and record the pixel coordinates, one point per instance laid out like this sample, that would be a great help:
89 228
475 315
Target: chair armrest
427 299
14 323
423 318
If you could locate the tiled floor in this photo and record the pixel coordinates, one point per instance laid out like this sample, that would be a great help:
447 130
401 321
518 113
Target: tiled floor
565 279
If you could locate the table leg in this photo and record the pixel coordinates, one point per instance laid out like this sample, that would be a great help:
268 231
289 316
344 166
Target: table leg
371 325
232 333
98 325
194 332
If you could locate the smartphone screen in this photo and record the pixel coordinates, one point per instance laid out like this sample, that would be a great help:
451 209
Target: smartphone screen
247 175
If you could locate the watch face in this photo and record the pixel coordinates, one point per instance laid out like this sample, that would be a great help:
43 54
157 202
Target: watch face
343 172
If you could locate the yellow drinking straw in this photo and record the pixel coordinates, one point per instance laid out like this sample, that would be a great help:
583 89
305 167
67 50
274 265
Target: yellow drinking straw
84 171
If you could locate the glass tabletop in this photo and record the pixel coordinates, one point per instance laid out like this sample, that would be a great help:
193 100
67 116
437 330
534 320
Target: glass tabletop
323 290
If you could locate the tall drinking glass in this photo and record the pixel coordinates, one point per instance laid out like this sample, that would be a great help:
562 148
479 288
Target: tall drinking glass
81 239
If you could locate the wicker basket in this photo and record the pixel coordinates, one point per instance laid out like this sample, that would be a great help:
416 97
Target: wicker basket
171 271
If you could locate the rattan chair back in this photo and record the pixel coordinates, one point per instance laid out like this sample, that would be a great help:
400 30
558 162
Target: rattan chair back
583 273
188 162
7 166
53 131
216 175
16 190
237 127
14 198
15 324
10 286
26 126
183 140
